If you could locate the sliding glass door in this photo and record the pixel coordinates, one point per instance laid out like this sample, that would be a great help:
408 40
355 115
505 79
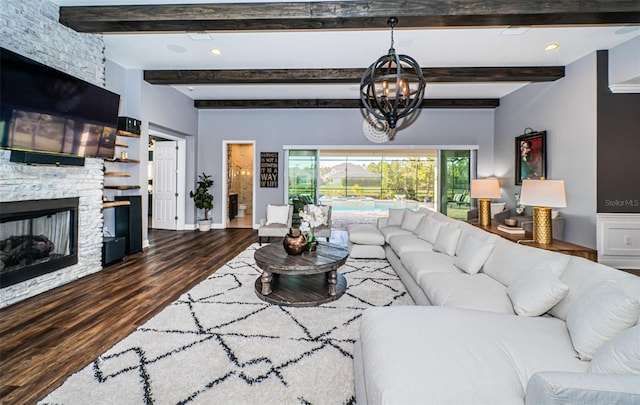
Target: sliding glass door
455 183
302 180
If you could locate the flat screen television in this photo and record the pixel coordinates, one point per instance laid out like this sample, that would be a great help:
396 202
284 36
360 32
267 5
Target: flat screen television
46 110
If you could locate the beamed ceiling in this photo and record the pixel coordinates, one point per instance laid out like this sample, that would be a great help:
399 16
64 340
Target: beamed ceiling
301 28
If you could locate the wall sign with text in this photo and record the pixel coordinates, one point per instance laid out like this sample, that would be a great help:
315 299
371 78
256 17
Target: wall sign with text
268 169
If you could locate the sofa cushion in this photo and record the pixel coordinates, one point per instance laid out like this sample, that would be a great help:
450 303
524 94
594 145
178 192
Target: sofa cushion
419 263
365 251
581 274
389 231
425 354
473 254
447 240
429 229
620 355
277 214
365 234
461 290
411 220
395 216
402 244
534 293
509 260
599 314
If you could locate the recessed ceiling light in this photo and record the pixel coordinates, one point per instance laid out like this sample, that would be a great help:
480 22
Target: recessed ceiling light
551 47
215 51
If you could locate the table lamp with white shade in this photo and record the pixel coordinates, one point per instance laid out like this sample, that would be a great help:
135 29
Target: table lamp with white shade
484 190
543 195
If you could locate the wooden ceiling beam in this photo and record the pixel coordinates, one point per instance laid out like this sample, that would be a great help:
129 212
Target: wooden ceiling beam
340 103
350 76
345 15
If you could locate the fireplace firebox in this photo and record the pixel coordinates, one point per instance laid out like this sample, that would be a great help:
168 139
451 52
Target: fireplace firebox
37 237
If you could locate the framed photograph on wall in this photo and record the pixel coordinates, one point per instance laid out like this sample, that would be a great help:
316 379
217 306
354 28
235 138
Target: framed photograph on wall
531 156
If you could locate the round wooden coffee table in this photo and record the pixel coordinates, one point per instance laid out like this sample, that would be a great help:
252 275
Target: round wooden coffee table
300 281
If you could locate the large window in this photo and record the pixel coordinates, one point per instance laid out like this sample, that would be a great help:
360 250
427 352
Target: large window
433 178
383 175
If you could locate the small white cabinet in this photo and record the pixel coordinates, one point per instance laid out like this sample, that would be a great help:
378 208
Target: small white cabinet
619 240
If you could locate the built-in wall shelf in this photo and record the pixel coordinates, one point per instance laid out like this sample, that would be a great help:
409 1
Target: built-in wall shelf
127 133
120 160
122 187
111 204
117 174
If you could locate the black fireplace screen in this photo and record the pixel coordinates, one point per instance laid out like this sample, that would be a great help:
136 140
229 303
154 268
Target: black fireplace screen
36 238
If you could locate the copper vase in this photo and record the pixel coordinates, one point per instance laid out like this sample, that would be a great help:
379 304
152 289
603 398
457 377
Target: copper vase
294 242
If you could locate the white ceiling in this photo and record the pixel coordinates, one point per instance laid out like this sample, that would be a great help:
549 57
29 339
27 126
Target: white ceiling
498 46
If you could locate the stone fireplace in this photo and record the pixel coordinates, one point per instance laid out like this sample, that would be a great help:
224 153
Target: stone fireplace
36 238
35 32
38 197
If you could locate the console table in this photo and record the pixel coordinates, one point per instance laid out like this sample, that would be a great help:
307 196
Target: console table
556 245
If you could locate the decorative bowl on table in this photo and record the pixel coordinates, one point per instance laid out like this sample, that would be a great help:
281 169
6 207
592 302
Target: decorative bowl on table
510 222
294 242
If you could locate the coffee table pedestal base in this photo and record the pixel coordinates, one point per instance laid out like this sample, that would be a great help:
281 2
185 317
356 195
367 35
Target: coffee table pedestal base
300 290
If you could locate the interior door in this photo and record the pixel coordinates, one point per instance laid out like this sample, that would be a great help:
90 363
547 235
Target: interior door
165 192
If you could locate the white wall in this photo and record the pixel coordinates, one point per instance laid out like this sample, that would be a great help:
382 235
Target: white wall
273 128
624 63
566 109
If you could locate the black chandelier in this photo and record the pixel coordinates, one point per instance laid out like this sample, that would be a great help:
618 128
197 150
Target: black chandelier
393 86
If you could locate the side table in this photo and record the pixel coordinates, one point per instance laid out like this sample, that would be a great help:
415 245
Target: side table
556 245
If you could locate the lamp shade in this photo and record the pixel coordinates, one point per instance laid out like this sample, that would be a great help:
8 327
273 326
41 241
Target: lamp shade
543 193
485 188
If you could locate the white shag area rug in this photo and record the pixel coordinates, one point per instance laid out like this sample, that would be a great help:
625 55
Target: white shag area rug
220 344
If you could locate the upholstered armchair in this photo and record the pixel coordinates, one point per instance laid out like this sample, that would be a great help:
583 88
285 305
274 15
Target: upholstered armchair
277 224
322 231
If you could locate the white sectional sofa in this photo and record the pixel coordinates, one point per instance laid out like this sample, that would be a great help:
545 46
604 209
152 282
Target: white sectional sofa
496 322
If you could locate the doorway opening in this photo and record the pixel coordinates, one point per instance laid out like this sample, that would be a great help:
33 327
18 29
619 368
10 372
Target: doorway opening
166 173
239 185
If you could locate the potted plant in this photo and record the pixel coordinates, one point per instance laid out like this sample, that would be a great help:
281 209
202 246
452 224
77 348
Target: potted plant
203 200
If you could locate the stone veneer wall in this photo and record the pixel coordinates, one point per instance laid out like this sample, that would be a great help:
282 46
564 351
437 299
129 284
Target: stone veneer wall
31 28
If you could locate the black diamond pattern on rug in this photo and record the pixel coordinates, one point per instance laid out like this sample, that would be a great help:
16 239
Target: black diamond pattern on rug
220 344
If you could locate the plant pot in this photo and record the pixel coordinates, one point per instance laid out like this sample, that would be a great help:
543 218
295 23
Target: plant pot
312 244
204 225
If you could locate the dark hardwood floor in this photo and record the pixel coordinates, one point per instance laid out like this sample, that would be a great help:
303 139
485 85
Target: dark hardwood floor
45 339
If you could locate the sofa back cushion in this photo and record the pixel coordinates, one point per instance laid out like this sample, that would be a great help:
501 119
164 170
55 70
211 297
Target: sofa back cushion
599 314
509 260
429 228
580 274
470 230
534 293
620 355
447 240
395 216
472 253
411 219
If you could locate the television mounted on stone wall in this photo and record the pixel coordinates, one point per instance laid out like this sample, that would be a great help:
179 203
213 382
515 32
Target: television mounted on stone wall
49 111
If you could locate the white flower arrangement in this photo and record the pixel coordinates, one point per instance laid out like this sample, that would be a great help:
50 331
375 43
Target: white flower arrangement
311 220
